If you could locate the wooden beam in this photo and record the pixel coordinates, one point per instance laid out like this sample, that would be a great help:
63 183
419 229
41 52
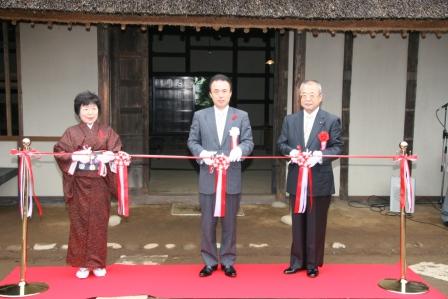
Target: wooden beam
7 78
346 95
280 103
411 89
19 83
361 25
104 72
299 67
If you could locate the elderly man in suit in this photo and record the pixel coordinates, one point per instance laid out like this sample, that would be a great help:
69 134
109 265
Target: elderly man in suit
301 131
210 135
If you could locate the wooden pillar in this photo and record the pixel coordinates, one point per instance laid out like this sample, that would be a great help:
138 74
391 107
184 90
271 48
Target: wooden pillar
346 94
280 103
19 84
104 71
411 88
299 67
7 78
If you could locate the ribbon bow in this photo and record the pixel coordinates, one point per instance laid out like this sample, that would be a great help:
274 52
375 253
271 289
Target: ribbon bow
220 163
26 181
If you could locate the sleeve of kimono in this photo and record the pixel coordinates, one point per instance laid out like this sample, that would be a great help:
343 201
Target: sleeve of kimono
64 145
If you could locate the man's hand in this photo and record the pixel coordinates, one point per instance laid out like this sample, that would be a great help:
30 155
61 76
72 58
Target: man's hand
235 154
82 156
207 156
316 157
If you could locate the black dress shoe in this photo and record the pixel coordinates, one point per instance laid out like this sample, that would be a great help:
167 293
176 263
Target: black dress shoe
207 270
291 270
312 272
229 270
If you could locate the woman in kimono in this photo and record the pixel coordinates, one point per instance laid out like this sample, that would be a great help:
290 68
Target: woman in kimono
88 184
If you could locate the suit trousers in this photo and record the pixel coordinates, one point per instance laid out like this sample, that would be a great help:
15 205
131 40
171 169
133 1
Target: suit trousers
209 250
308 233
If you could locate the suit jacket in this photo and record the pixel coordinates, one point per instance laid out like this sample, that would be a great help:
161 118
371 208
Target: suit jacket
204 136
292 135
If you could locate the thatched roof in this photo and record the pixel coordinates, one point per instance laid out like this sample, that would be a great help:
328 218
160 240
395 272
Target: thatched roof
225 12
304 9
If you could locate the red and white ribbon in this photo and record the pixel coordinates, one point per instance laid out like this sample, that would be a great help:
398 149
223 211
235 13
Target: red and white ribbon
219 166
406 190
304 183
122 161
26 182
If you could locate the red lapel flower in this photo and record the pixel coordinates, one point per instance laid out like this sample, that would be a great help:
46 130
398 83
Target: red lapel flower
234 116
323 137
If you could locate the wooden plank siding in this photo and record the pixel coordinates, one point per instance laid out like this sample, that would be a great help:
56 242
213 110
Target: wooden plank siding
130 97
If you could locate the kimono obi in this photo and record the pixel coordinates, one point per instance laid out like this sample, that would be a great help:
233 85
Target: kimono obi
87 166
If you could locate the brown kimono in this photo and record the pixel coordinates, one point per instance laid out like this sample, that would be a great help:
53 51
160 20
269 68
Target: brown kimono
87 195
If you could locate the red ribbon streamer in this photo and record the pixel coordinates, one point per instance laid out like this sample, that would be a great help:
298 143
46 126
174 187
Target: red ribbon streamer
220 163
406 190
122 161
26 171
300 204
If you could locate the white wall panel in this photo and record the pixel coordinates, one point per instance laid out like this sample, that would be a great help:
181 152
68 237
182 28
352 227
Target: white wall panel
56 65
432 92
377 111
324 63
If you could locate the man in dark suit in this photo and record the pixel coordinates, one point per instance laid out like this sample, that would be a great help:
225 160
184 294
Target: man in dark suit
209 136
302 129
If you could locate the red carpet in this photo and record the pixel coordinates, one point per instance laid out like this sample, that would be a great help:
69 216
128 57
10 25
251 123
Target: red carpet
253 281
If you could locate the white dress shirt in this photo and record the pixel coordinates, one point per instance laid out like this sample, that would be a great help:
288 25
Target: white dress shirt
221 116
308 121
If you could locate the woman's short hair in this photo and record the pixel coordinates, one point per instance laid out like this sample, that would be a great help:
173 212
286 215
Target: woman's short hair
85 98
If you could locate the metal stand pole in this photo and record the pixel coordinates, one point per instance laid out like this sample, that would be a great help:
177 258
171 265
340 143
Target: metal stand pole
402 285
23 288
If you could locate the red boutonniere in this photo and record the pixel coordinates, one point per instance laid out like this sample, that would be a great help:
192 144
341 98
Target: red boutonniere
323 137
234 116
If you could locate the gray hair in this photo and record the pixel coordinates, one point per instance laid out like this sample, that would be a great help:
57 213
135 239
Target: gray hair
309 82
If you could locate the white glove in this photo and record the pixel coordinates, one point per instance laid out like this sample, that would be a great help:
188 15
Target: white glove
106 157
235 154
316 157
294 154
82 156
207 156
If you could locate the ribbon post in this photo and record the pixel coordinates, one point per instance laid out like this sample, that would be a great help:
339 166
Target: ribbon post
26 191
402 285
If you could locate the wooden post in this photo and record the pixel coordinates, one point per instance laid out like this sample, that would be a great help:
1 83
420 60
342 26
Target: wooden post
104 72
346 95
411 88
7 78
280 101
299 67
